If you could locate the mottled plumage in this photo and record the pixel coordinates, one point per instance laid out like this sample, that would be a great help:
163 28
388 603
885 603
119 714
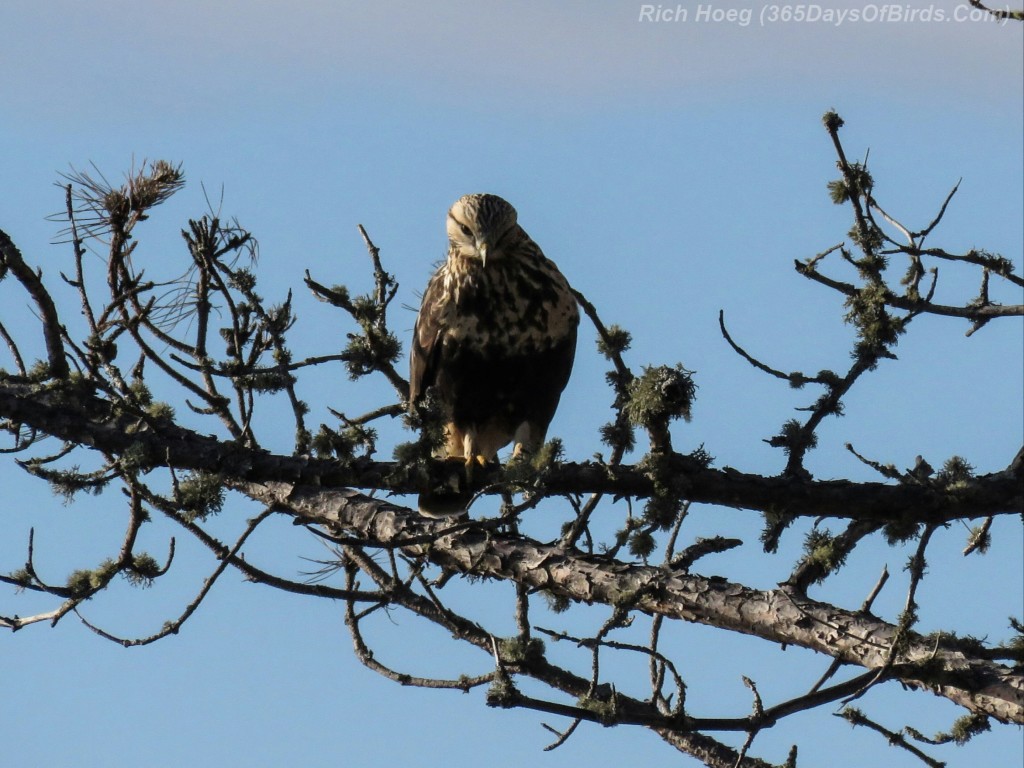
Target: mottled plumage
495 337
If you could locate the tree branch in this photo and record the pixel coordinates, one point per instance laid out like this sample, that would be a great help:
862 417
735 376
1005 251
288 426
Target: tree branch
982 312
80 417
775 615
10 258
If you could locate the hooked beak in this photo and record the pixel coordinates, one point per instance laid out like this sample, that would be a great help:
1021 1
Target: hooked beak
481 248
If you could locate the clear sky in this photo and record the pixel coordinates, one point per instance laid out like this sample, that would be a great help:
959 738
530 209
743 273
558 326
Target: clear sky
671 168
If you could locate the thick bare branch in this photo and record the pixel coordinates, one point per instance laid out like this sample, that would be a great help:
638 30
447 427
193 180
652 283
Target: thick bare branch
82 418
775 615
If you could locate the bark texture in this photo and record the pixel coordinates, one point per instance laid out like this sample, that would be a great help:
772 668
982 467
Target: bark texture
981 685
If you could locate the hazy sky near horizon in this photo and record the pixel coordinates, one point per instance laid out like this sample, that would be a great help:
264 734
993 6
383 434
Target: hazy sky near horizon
71 57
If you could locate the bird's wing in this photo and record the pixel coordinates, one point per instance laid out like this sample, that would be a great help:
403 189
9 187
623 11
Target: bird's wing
426 343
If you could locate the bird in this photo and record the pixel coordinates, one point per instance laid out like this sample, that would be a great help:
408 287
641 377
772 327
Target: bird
494 342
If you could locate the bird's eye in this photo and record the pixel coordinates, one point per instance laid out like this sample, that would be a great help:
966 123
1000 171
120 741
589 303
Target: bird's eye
466 230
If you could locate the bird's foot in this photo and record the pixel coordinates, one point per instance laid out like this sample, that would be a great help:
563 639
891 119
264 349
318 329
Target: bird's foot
451 496
472 462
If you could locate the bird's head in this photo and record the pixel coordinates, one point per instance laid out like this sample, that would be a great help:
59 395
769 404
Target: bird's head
479 227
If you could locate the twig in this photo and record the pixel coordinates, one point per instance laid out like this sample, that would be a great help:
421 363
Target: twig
855 717
563 736
31 280
172 627
1001 14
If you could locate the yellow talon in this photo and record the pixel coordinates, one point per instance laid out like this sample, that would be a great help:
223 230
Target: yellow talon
471 462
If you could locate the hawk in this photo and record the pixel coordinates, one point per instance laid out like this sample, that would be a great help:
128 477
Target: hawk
494 340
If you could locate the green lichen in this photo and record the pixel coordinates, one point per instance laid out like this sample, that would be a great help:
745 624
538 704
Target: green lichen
200 494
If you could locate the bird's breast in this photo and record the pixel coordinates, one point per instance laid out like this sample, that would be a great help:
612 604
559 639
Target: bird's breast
504 310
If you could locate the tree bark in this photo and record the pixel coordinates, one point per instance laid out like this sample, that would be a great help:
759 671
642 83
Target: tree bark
978 684
76 415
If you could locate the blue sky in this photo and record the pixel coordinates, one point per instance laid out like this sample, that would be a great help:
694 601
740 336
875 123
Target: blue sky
671 169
